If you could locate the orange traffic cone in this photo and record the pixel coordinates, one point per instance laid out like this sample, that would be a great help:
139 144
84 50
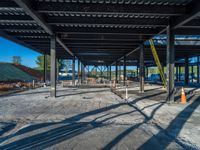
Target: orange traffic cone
183 97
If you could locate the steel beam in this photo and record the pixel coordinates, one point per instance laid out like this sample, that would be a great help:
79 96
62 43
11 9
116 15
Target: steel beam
198 69
53 66
110 77
45 68
141 79
170 63
79 71
124 70
40 21
106 9
98 21
186 70
193 11
107 31
116 72
73 71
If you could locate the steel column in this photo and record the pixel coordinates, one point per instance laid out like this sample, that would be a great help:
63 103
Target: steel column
53 66
45 68
197 69
186 70
73 71
176 73
82 73
179 73
141 78
107 72
147 72
170 64
57 70
192 74
110 72
78 71
137 70
124 70
116 73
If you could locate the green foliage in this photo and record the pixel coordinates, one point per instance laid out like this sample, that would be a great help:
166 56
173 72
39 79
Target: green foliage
61 63
40 62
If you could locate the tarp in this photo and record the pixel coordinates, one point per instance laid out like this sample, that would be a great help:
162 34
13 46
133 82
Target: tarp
9 72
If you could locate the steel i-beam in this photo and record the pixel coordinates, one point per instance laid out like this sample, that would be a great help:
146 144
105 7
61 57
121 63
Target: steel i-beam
141 79
170 64
53 66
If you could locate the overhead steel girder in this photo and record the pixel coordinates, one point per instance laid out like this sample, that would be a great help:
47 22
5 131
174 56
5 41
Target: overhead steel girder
16 17
64 20
6 3
67 36
193 11
19 28
27 8
106 31
121 31
53 7
5 35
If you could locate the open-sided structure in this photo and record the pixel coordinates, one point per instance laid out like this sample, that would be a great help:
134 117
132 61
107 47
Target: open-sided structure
102 32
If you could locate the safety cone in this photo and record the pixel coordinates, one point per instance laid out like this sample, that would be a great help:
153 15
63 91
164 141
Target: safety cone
183 97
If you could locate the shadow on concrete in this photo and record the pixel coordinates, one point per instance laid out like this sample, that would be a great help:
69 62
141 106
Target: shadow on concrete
58 92
6 126
79 93
174 128
165 136
72 127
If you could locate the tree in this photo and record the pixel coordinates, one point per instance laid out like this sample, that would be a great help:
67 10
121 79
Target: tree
40 62
68 65
61 64
16 60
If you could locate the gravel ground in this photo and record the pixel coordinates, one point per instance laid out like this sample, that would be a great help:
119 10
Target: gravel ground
88 118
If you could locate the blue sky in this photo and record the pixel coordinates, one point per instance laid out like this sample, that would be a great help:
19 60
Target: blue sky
8 49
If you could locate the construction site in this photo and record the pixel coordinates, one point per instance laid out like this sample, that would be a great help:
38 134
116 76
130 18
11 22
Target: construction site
102 105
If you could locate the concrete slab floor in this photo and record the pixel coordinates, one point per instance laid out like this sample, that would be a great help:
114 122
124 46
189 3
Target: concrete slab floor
92 118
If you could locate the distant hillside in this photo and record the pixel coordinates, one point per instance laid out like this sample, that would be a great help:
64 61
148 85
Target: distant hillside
10 72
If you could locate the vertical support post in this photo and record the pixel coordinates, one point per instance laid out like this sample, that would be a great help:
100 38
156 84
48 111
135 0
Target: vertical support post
177 73
119 71
78 71
116 73
192 74
107 72
124 70
197 69
110 73
147 72
57 70
186 70
137 70
170 64
45 68
73 71
53 66
141 78
82 73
